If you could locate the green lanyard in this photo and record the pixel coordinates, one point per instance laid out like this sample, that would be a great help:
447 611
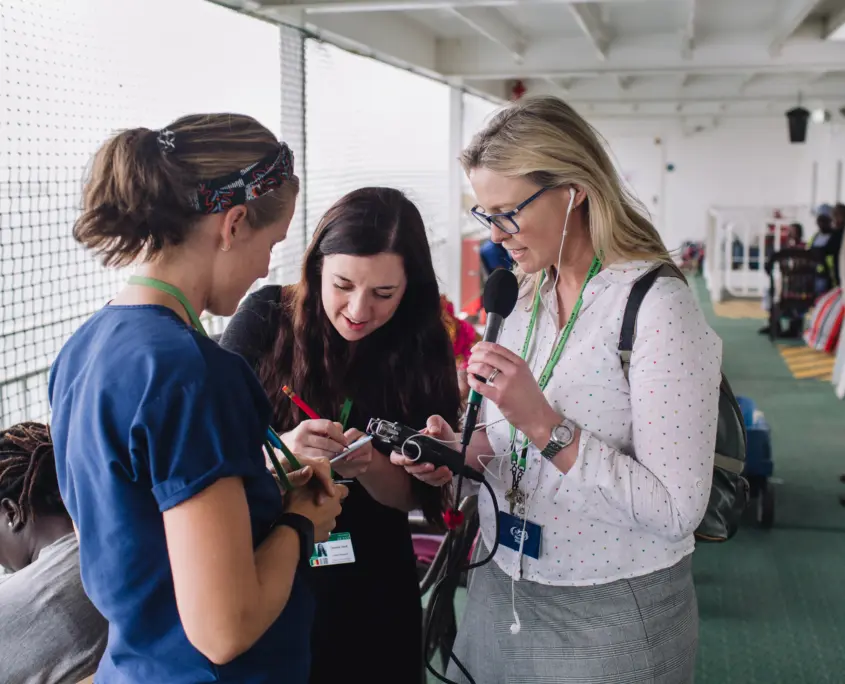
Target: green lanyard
345 410
519 461
273 439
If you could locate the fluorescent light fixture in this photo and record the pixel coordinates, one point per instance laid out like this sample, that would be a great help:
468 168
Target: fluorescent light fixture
820 116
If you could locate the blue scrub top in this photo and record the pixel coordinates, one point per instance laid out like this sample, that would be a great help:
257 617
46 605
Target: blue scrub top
146 413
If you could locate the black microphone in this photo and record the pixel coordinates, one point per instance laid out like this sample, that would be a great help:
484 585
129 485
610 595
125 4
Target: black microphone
500 295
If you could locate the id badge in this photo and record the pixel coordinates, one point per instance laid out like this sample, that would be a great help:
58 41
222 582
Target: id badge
336 551
511 532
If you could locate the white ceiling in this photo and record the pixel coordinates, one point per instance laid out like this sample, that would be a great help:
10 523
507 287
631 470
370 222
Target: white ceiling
616 58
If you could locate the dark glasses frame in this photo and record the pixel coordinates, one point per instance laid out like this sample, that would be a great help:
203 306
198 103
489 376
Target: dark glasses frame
504 221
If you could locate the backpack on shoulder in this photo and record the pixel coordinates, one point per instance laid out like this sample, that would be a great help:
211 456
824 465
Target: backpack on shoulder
729 493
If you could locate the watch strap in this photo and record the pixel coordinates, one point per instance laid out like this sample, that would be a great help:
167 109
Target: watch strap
551 449
305 529
554 446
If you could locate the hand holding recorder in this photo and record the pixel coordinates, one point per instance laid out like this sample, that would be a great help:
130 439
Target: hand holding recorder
437 428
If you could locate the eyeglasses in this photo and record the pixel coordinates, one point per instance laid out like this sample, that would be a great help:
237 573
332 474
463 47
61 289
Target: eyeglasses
504 221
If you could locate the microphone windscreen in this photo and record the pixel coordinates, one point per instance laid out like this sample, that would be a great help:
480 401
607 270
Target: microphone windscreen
501 292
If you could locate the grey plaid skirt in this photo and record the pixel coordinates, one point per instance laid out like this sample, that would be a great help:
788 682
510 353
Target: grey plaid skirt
642 630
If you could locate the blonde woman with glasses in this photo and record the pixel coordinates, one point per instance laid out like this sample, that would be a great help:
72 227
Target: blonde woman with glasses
601 480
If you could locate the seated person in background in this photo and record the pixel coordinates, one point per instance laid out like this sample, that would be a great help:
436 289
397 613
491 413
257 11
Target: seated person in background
50 633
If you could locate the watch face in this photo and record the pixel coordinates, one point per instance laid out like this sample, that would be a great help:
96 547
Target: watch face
562 434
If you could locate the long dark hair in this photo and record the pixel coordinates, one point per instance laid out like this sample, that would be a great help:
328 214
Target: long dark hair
403 371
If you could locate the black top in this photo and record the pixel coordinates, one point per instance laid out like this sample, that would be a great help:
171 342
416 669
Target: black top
369 616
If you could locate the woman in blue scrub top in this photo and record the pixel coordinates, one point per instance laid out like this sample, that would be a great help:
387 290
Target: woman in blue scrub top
187 545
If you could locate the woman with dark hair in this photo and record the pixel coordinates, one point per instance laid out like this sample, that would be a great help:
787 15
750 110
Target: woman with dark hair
51 634
359 337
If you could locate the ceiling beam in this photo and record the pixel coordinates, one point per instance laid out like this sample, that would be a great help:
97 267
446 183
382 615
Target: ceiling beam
688 37
718 91
637 56
624 82
589 20
833 24
386 36
491 23
796 13
338 6
746 81
670 116
563 85
674 99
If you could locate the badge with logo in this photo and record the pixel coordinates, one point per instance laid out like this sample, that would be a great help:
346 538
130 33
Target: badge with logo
513 531
336 551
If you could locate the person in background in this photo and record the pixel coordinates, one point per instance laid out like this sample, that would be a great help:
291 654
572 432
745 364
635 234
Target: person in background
825 241
360 336
607 475
187 546
462 335
494 256
796 237
50 633
835 245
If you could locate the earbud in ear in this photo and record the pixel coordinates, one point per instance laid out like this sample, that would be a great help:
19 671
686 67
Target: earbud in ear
569 208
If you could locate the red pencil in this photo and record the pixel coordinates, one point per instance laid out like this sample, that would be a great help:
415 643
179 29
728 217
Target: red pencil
296 400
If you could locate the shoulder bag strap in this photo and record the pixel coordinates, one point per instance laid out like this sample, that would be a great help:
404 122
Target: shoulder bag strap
629 321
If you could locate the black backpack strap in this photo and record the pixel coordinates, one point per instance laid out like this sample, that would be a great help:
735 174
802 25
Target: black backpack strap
629 320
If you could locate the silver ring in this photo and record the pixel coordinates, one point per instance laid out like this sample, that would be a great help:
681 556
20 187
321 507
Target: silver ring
492 376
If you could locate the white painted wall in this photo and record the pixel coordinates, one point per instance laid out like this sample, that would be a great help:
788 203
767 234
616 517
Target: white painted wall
739 162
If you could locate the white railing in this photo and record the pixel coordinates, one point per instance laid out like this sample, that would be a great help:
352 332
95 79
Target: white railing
736 246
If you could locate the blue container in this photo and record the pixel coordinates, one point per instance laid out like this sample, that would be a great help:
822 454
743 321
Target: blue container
758 458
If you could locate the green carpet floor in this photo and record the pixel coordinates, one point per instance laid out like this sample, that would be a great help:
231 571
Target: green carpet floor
772 603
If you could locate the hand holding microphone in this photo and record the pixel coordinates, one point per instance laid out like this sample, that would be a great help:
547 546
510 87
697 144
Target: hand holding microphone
500 294
511 386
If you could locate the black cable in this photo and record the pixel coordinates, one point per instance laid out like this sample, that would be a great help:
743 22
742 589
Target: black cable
452 573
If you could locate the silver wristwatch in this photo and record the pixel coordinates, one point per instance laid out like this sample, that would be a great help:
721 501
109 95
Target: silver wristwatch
562 436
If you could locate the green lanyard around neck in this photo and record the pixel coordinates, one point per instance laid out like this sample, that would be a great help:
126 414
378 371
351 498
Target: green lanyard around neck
345 410
519 460
273 440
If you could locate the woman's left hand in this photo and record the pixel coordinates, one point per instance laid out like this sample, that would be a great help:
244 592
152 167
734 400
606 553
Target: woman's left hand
358 461
512 387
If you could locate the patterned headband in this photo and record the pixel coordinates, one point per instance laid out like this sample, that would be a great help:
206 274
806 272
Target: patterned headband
239 187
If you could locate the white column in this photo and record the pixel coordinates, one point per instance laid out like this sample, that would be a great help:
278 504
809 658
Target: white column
453 234
286 268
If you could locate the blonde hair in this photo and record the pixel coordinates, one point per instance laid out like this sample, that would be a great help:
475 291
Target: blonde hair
137 199
546 141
